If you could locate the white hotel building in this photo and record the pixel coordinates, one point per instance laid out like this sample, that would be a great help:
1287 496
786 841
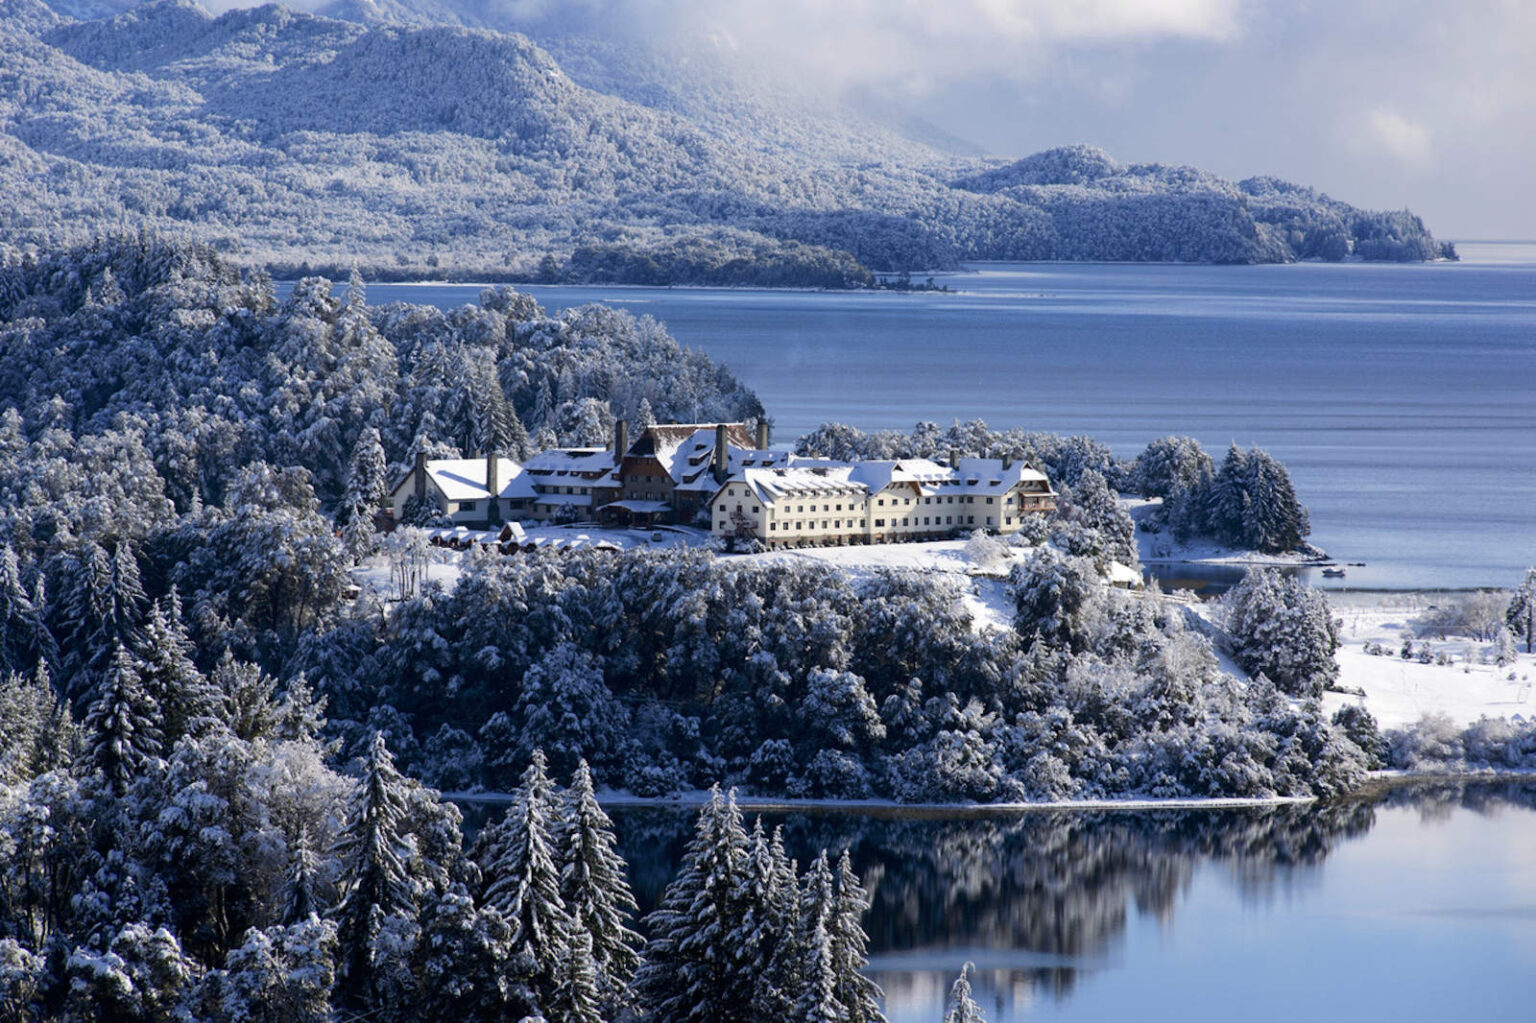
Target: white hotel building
811 502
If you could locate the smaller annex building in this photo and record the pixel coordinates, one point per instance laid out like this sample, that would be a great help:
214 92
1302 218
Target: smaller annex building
813 502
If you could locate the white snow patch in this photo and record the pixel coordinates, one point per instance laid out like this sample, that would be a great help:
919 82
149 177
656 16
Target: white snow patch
1399 692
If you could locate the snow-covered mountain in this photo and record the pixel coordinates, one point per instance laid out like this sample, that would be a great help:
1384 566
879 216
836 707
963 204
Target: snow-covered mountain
291 138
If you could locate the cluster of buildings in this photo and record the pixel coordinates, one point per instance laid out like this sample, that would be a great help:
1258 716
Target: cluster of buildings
681 473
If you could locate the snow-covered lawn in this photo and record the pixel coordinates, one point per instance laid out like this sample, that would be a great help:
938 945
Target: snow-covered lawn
1399 692
1162 548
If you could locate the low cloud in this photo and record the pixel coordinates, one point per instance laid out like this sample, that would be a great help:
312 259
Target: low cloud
1406 140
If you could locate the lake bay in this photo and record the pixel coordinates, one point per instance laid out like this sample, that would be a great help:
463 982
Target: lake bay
1402 398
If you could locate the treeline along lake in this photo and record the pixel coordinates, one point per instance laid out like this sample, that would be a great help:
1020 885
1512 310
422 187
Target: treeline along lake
1401 397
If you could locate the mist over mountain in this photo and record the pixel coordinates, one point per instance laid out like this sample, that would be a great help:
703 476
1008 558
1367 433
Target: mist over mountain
411 137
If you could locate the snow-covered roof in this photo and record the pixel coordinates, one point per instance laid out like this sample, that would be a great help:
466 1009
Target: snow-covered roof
771 485
565 461
803 476
464 479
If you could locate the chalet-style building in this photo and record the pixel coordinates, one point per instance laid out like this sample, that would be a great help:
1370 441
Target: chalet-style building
811 502
685 473
467 491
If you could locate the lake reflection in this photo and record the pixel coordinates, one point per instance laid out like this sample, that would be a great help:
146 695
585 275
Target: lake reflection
1079 915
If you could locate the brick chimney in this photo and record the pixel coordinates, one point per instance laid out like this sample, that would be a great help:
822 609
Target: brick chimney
722 456
620 440
421 474
762 435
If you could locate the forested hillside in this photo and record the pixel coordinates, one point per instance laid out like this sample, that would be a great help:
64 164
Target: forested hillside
297 142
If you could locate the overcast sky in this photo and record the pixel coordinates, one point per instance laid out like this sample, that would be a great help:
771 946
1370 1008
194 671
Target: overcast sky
1428 104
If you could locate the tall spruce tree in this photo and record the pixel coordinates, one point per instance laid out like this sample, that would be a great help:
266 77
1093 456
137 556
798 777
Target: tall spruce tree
859 996
366 485
25 641
102 610
188 701
816 1000
690 973
371 851
523 883
595 890
122 729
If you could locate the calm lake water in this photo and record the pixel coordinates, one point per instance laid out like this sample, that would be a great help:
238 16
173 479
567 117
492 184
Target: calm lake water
1417 905
1402 398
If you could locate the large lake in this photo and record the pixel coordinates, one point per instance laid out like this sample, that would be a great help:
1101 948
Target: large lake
1418 905
1403 398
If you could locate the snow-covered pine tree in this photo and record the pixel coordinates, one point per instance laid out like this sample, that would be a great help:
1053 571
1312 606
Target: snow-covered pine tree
1273 520
690 973
188 701
576 996
523 884
367 485
102 610
596 891
463 962
122 729
816 1000
24 637
1226 499
962 1007
1521 614
859 996
764 923
644 417
371 854
301 895
280 974
37 733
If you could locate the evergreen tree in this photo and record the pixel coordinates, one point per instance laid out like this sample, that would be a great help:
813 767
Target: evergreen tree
463 963
523 883
690 973
371 851
25 641
37 734
595 890
576 996
188 701
816 1000
102 611
122 730
962 1008
1273 520
367 485
301 898
859 996
1282 629
1225 503
1521 614
764 924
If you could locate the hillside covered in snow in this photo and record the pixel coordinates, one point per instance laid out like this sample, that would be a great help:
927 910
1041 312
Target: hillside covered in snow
292 140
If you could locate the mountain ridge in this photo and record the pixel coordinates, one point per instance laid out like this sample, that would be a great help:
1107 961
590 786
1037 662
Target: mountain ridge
296 140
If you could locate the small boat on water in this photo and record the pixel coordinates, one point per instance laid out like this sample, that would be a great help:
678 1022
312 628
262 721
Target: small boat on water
1334 573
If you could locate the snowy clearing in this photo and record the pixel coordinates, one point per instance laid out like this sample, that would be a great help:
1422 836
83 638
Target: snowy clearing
1398 692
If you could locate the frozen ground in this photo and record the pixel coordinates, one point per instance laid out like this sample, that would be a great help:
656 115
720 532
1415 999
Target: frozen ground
1162 548
1399 692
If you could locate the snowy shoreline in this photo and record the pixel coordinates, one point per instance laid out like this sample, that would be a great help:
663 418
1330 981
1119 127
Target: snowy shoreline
1376 782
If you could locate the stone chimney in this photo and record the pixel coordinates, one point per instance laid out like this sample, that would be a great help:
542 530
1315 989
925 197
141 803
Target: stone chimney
492 484
722 454
421 474
762 435
620 440
954 458
1007 460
